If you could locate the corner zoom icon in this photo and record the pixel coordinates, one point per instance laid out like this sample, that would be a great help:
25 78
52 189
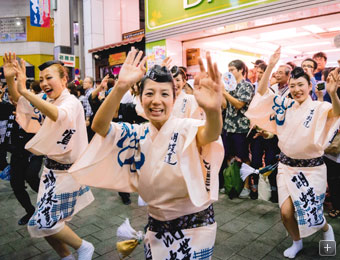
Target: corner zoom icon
327 248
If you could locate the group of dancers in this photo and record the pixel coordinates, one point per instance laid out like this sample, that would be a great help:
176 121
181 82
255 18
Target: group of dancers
173 160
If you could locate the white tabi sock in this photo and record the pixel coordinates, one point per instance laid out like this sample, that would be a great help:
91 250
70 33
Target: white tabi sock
294 249
85 251
329 234
69 257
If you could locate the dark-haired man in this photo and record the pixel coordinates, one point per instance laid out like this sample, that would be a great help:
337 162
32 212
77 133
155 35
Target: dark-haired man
321 60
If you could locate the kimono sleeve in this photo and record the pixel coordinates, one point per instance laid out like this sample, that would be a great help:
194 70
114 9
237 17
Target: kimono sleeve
111 162
28 117
325 128
260 112
200 166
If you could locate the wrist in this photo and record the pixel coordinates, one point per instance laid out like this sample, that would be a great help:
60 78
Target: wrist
123 86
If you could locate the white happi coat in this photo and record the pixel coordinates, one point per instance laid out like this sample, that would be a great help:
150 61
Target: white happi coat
60 196
165 167
304 131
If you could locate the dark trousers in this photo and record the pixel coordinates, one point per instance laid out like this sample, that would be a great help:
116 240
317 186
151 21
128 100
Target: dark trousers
3 161
124 195
260 147
333 179
25 168
235 144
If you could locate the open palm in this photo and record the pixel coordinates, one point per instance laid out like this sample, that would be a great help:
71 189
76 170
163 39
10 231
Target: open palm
208 90
133 69
9 65
333 81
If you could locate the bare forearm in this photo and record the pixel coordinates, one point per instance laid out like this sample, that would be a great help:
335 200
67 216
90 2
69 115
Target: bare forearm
96 92
234 101
12 88
107 111
212 128
335 105
48 109
263 84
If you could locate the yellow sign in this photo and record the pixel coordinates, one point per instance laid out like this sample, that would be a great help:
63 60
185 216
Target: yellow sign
117 58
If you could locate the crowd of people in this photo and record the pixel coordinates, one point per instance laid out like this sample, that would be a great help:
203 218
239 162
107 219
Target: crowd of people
170 139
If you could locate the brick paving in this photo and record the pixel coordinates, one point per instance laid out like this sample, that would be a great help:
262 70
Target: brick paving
247 229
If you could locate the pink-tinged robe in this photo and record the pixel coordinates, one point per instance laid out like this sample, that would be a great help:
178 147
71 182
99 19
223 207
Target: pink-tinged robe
60 196
165 167
304 131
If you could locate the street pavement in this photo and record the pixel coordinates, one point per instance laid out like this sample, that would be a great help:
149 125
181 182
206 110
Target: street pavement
247 229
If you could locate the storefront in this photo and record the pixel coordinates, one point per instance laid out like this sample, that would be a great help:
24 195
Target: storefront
110 58
244 29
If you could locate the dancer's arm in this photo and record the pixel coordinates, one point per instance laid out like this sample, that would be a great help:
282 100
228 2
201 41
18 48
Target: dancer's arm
263 84
131 72
10 73
333 82
208 94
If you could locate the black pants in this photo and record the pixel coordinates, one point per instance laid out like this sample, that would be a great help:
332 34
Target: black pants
25 168
333 179
3 161
267 147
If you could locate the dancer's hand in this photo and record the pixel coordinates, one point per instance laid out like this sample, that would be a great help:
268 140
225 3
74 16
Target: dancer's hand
166 62
333 82
275 57
132 70
9 60
20 70
208 87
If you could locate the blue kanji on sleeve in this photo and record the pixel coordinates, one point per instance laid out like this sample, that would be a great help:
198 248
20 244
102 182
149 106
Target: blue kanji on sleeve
280 111
129 133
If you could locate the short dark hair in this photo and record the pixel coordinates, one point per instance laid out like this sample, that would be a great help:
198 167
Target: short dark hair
326 72
35 85
110 83
239 65
262 66
291 64
320 55
311 60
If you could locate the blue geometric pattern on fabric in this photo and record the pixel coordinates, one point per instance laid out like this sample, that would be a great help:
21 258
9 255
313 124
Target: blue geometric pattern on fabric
301 213
64 207
203 254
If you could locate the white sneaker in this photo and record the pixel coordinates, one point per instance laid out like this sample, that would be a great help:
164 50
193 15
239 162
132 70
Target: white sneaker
222 190
244 193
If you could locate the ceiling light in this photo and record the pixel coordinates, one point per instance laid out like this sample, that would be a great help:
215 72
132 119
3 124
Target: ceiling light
245 39
309 44
268 45
282 34
18 23
330 50
333 29
313 28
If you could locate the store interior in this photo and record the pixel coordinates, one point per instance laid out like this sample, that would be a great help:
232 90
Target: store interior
300 35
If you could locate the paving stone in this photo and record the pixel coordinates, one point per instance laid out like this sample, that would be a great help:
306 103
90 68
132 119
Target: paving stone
258 227
87 230
238 257
221 237
255 250
233 226
9 237
29 252
223 252
5 250
106 246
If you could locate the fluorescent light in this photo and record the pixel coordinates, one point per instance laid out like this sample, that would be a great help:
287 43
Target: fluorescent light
248 48
330 50
290 51
217 45
310 44
268 45
313 28
245 39
333 29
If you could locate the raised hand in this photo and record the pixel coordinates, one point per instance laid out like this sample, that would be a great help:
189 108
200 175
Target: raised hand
20 70
208 87
132 70
103 83
166 62
9 59
333 81
275 57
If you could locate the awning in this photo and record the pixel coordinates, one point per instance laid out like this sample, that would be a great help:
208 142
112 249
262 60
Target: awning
113 45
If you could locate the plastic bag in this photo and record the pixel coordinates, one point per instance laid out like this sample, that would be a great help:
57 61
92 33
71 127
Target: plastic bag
264 188
232 180
5 174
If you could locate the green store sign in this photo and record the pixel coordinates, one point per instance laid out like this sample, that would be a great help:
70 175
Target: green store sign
162 14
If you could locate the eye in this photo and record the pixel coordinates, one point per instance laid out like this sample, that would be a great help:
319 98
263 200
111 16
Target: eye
165 94
148 94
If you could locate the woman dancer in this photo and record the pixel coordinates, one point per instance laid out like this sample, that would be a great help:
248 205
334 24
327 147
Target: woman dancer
304 129
62 138
171 162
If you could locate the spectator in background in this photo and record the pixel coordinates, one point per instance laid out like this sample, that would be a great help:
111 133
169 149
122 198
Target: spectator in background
281 78
309 66
291 64
260 69
236 124
88 87
35 87
321 60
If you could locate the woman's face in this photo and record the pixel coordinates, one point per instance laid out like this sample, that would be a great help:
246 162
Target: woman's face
157 102
179 84
299 89
51 83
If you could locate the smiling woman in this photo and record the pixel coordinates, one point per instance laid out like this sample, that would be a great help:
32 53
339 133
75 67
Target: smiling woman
60 130
171 162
